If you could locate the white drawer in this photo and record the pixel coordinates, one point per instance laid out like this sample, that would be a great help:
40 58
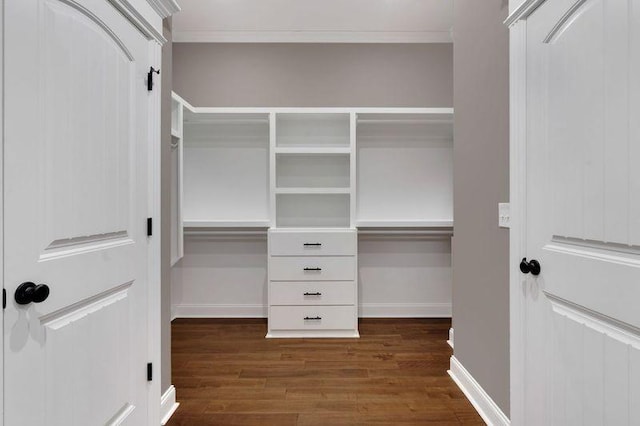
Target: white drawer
313 293
312 318
313 243
312 268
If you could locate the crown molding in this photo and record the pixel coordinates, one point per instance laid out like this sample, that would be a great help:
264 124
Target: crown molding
165 8
139 20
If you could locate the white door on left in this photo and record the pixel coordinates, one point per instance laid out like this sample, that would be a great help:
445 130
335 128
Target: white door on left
75 208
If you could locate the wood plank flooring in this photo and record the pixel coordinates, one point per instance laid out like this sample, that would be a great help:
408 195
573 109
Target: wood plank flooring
227 373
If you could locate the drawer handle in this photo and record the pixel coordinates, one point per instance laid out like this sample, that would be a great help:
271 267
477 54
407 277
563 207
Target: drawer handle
312 294
312 318
312 244
313 269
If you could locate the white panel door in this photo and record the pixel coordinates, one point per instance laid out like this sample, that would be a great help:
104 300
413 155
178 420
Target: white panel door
582 315
75 213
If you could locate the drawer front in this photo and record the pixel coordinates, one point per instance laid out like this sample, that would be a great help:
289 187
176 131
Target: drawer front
313 243
312 268
312 318
313 293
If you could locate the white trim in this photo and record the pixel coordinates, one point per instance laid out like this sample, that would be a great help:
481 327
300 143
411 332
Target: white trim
404 310
481 401
523 11
139 20
450 340
2 26
168 405
219 311
312 37
517 200
154 274
164 8
366 310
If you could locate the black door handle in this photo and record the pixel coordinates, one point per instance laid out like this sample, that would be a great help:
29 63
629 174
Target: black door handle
532 266
312 244
312 318
313 269
317 293
29 292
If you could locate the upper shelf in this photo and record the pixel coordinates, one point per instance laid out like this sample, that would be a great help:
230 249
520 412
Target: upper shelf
215 224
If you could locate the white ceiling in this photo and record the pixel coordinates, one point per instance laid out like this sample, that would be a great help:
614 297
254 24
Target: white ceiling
314 21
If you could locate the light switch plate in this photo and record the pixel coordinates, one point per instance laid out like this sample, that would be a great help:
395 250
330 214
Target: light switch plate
504 215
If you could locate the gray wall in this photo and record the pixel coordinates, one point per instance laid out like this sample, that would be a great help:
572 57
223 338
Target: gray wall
165 208
481 180
276 75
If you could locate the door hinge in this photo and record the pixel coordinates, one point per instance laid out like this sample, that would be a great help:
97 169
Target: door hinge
4 298
149 372
150 78
149 227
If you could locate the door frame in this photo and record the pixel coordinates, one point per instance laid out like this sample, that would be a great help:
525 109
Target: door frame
517 24
146 16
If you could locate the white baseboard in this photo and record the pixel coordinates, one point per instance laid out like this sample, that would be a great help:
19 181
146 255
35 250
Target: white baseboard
365 310
219 311
405 310
450 341
168 405
481 401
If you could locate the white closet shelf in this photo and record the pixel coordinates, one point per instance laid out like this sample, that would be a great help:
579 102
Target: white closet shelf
215 224
404 224
312 150
296 230
313 190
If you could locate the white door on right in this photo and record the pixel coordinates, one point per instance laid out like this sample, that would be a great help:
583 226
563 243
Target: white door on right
582 310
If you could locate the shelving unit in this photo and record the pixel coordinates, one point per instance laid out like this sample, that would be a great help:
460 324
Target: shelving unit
311 180
311 165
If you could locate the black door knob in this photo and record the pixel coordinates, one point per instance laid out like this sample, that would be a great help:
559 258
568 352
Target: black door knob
29 292
532 266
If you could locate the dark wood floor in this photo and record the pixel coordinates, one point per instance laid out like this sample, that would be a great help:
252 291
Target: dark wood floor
227 373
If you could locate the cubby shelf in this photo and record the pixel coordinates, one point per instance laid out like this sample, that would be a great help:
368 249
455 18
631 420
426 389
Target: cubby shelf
313 190
312 150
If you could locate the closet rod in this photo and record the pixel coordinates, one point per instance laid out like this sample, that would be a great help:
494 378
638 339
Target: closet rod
404 121
407 232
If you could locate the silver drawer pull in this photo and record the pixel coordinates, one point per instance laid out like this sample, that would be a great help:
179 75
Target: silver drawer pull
312 294
312 244
313 269
312 318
